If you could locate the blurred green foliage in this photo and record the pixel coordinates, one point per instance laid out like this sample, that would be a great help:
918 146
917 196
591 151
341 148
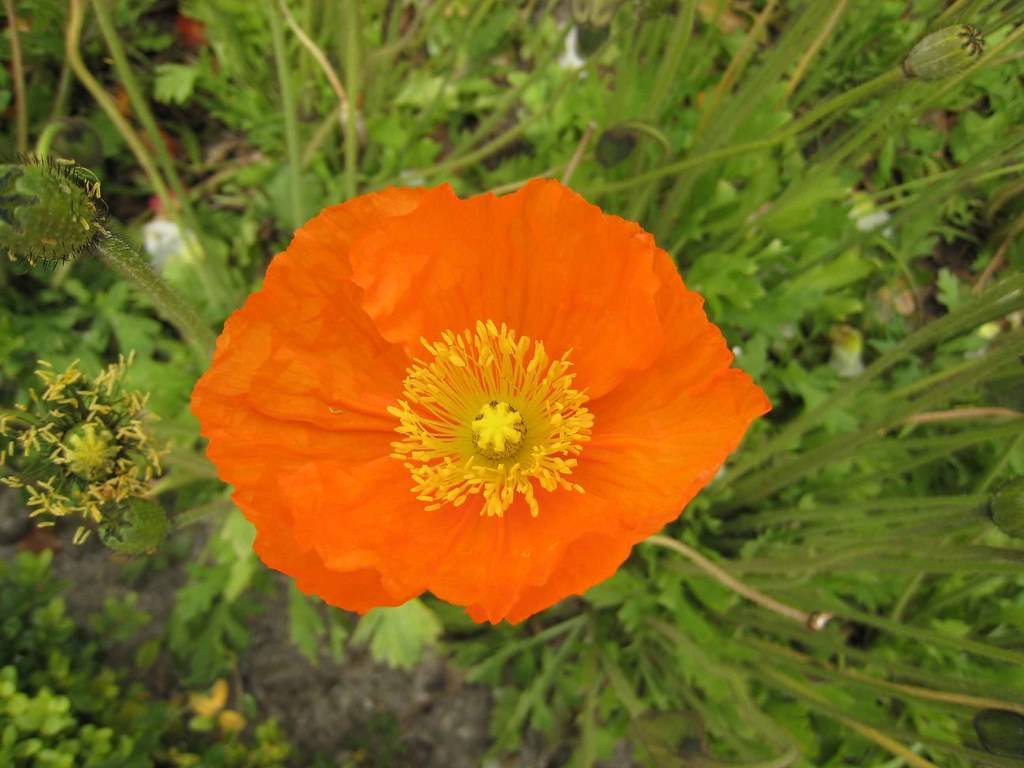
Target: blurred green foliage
63 706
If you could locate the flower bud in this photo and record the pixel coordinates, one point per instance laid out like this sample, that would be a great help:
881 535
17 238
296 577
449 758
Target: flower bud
133 528
945 53
590 38
1001 732
50 211
618 142
1006 507
614 145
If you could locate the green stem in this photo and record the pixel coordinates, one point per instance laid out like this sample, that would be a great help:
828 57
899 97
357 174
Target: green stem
200 513
928 505
731 582
815 666
998 301
353 61
117 254
291 127
673 56
140 106
426 117
60 98
509 98
46 137
772 478
921 635
821 703
666 77
457 161
816 524
925 181
18 77
76 17
1000 464
836 104
497 143
178 197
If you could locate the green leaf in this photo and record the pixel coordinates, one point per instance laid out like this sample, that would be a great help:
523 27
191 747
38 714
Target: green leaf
950 294
305 626
174 83
397 636
238 533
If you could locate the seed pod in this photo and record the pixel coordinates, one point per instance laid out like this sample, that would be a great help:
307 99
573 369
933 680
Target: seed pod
136 527
1007 507
50 211
945 53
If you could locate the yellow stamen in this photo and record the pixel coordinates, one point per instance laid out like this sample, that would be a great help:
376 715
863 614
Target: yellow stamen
491 414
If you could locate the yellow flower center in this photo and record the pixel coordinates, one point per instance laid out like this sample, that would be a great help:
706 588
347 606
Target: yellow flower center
498 430
89 450
490 414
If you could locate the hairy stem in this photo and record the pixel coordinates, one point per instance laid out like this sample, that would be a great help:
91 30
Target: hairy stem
117 254
730 581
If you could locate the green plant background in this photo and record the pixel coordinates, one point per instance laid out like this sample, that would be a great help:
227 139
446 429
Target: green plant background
829 210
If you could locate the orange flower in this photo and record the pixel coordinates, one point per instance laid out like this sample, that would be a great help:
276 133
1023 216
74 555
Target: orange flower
492 399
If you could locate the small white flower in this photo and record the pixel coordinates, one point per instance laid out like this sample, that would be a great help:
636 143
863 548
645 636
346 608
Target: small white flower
412 179
867 218
847 351
164 240
872 221
570 57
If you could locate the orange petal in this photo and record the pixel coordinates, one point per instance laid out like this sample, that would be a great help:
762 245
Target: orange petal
301 348
587 561
358 589
662 435
364 517
300 372
542 260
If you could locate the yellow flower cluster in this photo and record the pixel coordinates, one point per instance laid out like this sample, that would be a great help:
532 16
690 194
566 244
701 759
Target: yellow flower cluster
79 446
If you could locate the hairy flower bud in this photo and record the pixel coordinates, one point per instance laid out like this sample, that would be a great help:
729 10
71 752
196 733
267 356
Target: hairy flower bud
945 53
50 211
1007 507
133 528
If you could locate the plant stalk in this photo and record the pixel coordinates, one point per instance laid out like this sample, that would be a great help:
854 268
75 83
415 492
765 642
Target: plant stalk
120 256
291 125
